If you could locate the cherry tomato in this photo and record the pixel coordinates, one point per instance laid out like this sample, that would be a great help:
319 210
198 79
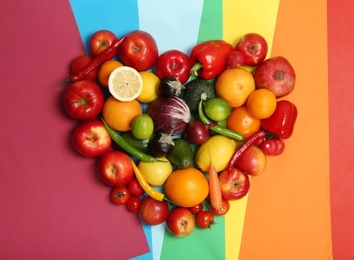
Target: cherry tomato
120 195
80 62
135 188
225 206
273 147
196 209
133 204
205 219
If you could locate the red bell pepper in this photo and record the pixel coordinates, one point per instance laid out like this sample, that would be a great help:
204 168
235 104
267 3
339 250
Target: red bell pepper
209 58
282 121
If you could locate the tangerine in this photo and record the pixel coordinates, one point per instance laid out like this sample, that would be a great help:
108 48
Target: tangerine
261 103
235 85
119 114
187 187
242 122
105 70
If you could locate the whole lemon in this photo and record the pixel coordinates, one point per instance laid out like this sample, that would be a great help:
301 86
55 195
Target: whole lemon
156 173
219 149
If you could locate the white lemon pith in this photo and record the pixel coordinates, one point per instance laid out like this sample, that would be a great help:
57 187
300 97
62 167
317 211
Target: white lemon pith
125 83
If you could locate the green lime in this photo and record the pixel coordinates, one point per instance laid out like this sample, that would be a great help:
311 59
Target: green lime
217 109
142 126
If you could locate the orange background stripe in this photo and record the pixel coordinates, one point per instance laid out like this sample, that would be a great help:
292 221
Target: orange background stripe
288 212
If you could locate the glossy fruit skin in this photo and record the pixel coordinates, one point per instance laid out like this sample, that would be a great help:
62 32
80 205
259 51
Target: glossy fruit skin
115 168
139 50
142 127
91 139
83 100
100 40
80 62
205 219
135 188
282 121
277 75
273 147
235 59
252 161
242 122
196 209
187 187
133 204
120 195
234 185
153 212
173 63
180 222
254 48
225 206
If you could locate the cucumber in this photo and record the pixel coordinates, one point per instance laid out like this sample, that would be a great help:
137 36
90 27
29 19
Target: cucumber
181 154
193 90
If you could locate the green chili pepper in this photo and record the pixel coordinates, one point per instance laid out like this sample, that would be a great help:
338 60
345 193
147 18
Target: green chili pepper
127 146
217 128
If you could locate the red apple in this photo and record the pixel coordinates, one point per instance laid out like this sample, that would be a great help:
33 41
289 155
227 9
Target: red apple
277 75
100 40
83 100
138 50
91 138
235 59
180 222
252 161
153 212
173 63
79 62
234 185
253 47
115 168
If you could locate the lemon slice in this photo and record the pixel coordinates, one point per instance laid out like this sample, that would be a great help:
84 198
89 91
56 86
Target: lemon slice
125 83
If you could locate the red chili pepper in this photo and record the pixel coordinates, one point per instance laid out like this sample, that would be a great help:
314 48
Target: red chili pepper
105 55
209 58
281 122
244 146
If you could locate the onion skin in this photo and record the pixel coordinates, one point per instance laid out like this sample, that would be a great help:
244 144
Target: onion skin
170 115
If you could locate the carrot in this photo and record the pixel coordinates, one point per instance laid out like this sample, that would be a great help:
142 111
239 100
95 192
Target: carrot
214 187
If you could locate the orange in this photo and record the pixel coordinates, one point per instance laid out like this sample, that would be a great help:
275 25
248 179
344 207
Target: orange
242 122
105 70
187 187
119 115
261 103
235 85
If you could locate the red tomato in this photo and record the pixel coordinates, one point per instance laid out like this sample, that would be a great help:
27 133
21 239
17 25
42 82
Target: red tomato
205 219
120 195
133 204
196 209
225 206
273 147
135 187
80 62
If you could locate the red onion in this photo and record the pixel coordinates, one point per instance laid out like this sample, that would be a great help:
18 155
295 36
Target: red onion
170 115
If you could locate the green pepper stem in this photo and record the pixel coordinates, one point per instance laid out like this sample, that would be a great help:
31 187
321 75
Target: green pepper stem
194 70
